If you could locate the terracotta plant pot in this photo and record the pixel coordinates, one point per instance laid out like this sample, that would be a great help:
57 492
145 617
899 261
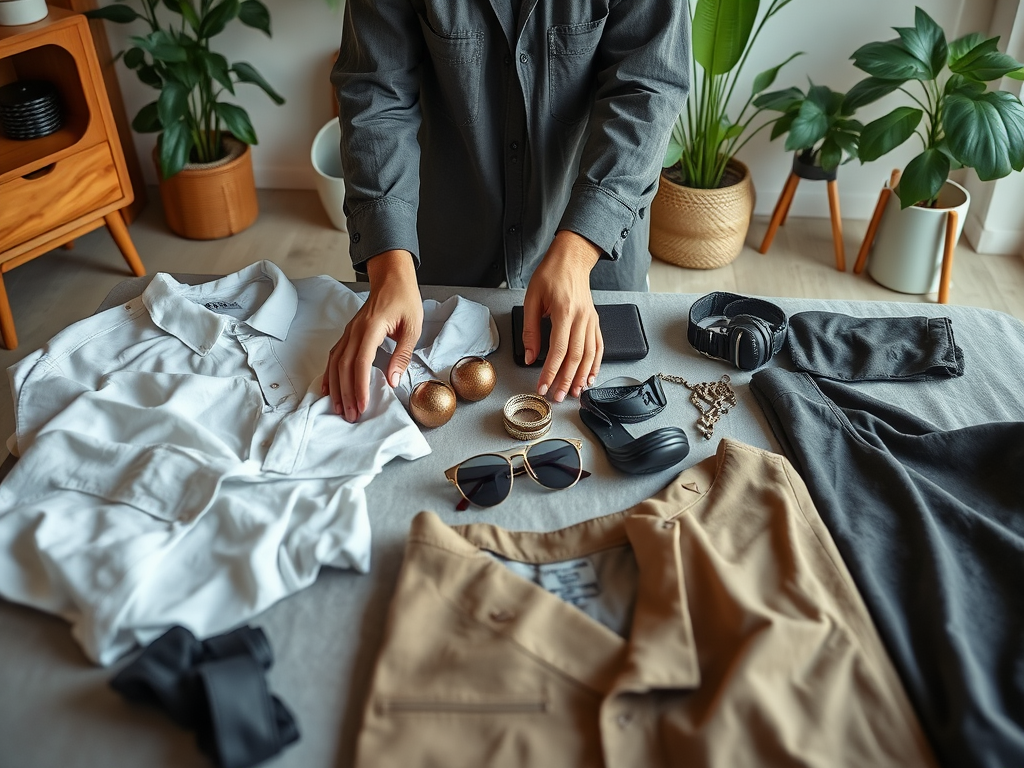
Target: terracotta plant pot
702 228
910 243
213 200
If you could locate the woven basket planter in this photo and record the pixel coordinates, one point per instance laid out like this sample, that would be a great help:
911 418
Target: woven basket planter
214 200
702 228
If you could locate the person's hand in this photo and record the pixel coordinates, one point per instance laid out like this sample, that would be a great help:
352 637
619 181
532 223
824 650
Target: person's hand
393 309
560 289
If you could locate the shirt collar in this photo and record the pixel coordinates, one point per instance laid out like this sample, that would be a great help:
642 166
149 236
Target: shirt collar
178 308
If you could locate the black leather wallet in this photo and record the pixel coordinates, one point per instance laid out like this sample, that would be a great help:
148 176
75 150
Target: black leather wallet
621 328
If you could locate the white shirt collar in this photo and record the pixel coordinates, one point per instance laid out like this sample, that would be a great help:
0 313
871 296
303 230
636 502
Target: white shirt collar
173 306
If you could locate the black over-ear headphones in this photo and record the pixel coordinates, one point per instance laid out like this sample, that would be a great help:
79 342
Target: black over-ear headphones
747 332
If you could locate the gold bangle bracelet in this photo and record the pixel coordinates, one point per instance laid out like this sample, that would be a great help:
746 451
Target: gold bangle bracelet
527 417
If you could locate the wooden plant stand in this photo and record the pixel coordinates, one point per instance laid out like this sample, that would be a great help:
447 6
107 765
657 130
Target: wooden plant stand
59 187
800 171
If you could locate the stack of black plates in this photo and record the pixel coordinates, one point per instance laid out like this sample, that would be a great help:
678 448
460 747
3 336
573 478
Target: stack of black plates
29 109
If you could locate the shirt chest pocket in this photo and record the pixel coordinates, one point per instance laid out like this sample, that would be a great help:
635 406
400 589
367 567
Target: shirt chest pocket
572 65
458 67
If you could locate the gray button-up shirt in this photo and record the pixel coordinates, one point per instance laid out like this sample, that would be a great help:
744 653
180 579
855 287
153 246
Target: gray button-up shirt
473 130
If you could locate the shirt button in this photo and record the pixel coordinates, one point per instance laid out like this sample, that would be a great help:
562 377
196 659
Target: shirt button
356 237
512 229
128 306
624 719
668 524
514 146
515 159
523 58
624 234
502 616
275 385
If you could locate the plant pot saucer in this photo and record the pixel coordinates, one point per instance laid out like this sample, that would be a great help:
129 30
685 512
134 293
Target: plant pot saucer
811 171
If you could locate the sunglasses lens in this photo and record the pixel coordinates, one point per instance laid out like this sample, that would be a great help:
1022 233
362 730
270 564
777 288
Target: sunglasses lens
485 480
556 463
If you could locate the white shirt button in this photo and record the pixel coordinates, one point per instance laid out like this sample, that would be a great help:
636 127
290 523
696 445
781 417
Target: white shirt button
624 719
275 385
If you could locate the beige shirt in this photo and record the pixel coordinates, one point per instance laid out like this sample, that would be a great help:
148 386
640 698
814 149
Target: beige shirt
712 625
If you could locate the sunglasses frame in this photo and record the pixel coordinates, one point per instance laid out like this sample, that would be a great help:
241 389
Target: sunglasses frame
451 474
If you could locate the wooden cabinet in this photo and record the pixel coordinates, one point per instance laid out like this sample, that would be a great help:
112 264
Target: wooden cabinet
61 186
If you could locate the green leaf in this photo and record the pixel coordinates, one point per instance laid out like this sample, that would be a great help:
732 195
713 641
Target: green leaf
175 147
977 134
161 46
1018 75
134 58
959 83
721 30
217 18
963 45
173 103
766 78
254 14
868 91
149 75
809 127
926 42
984 62
148 119
186 9
782 125
847 141
780 101
119 14
246 73
672 154
831 154
733 131
943 147
886 133
218 68
237 121
889 61
923 178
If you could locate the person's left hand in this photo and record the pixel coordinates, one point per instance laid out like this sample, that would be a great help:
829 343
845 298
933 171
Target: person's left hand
560 289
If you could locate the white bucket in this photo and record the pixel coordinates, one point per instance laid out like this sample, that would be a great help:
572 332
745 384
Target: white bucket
325 156
908 251
17 12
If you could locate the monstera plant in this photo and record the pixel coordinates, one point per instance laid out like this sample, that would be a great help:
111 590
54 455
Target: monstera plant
958 120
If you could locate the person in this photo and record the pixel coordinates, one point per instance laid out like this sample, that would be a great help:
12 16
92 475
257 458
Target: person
490 142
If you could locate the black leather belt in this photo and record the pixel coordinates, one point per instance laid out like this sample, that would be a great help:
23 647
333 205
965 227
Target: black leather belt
748 333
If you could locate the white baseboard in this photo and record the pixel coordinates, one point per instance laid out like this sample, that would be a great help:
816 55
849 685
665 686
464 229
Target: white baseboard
994 241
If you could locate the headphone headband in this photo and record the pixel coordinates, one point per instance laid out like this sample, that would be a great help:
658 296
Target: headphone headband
748 333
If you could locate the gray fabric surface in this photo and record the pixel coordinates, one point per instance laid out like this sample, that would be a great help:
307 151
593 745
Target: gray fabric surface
57 708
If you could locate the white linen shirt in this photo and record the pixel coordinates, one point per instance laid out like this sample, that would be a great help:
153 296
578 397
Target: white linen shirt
179 465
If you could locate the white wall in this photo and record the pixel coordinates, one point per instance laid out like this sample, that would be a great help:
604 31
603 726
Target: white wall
306 34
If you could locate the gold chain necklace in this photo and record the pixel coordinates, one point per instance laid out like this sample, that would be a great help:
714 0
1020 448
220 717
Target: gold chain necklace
712 398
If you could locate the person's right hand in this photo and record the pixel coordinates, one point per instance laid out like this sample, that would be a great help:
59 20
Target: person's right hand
393 309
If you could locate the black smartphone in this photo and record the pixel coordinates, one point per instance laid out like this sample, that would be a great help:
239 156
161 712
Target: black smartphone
621 328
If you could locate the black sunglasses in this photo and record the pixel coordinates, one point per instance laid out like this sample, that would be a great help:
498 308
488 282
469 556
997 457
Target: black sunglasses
486 480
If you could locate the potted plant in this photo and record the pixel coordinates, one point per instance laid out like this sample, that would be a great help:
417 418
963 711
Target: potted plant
203 158
960 124
701 212
819 129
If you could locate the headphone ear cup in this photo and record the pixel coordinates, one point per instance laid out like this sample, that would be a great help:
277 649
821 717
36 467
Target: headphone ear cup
760 346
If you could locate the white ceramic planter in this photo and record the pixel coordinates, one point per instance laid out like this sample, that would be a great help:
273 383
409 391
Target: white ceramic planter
14 13
325 155
907 256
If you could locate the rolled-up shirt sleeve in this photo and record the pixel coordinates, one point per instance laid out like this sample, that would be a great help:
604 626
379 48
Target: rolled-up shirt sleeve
643 82
376 80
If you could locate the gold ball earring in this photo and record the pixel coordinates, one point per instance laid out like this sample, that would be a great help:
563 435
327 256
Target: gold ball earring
432 403
473 378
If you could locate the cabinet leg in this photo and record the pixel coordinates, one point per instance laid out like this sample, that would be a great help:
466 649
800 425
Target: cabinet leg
780 212
119 231
947 257
837 225
10 338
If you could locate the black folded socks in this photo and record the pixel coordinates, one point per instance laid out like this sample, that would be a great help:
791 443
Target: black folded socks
216 688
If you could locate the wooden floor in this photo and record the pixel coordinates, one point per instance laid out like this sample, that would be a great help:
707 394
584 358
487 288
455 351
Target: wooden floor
61 287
